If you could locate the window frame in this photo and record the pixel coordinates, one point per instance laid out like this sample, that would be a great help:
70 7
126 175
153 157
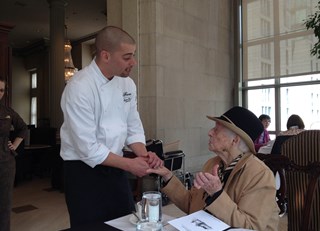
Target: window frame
244 84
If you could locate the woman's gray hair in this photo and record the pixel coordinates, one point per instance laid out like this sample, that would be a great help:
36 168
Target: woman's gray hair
242 145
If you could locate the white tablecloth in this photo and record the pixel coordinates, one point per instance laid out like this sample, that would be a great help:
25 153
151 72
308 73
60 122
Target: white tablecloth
124 223
169 212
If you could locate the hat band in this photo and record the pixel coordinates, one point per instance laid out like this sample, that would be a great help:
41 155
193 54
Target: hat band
227 119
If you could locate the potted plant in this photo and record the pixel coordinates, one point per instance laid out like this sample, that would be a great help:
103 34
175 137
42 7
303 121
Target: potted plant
313 22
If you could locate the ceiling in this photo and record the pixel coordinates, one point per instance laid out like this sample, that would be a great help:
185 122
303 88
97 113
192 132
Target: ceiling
31 19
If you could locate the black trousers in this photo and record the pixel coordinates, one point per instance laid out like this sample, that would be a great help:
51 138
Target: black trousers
96 194
7 174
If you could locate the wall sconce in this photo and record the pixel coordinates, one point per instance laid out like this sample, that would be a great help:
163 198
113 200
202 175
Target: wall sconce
69 68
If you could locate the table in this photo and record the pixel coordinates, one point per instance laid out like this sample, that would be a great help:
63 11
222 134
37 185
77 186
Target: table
123 223
169 212
32 159
40 158
36 147
94 227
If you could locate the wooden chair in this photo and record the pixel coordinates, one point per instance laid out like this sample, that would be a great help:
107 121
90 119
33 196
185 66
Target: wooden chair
276 148
303 191
299 170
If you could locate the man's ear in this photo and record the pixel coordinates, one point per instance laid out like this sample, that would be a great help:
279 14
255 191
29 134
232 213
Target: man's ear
105 55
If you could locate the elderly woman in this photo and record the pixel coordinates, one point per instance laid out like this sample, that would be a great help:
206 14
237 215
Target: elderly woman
235 186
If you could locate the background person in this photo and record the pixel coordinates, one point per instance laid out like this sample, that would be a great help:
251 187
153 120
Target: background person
295 125
235 186
100 117
264 137
8 119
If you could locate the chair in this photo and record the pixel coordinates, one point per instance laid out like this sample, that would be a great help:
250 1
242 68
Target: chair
299 170
303 190
173 160
42 149
276 148
153 146
278 164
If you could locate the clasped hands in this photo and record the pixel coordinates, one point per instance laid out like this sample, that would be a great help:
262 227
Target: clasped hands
145 163
210 182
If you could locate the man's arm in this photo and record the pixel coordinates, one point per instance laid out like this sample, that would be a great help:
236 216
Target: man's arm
140 150
137 166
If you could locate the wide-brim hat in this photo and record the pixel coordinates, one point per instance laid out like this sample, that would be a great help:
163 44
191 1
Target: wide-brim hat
243 122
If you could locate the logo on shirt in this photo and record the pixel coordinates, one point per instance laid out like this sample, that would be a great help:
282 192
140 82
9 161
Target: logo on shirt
127 97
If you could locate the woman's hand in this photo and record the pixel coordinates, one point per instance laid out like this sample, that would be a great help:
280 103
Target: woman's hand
11 146
162 171
209 182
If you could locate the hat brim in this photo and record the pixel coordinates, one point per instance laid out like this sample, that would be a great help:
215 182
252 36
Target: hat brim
236 130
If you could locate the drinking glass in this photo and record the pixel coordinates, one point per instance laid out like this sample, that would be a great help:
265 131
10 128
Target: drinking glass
149 226
151 206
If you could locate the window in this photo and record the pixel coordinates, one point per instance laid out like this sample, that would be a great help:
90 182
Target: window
33 109
279 76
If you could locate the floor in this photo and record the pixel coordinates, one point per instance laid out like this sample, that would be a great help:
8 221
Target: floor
36 207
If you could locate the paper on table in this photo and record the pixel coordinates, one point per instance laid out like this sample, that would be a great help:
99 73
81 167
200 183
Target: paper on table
199 221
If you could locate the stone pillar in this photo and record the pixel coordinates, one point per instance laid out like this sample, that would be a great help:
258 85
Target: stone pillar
5 60
57 30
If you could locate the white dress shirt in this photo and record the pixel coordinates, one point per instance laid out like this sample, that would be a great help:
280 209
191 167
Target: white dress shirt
100 116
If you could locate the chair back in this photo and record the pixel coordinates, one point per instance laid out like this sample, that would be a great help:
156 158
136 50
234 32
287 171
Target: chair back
299 209
303 190
276 148
174 160
155 146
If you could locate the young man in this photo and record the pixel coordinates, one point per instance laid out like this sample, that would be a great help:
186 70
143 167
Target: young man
100 117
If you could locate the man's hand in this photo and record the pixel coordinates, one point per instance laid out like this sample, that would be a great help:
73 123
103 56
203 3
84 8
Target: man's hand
140 150
154 161
209 182
138 166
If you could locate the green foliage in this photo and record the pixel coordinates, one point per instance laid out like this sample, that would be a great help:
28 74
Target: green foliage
313 22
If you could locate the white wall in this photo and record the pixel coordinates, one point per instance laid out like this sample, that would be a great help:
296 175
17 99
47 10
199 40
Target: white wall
186 71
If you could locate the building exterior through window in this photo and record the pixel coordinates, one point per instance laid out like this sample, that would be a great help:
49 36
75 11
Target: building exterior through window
279 76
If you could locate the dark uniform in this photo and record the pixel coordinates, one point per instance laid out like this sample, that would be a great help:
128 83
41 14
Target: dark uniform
9 120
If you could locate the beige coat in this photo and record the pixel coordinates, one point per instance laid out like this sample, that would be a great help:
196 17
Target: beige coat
247 201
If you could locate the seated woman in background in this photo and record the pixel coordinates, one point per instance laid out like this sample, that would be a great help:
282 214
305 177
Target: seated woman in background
264 137
234 186
295 125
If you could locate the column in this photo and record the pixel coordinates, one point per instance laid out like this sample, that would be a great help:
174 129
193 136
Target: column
5 59
57 22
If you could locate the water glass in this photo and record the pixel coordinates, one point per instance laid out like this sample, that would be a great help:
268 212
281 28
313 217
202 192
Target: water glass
151 206
149 226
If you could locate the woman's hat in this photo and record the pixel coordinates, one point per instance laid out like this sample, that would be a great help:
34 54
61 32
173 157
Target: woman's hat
243 122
